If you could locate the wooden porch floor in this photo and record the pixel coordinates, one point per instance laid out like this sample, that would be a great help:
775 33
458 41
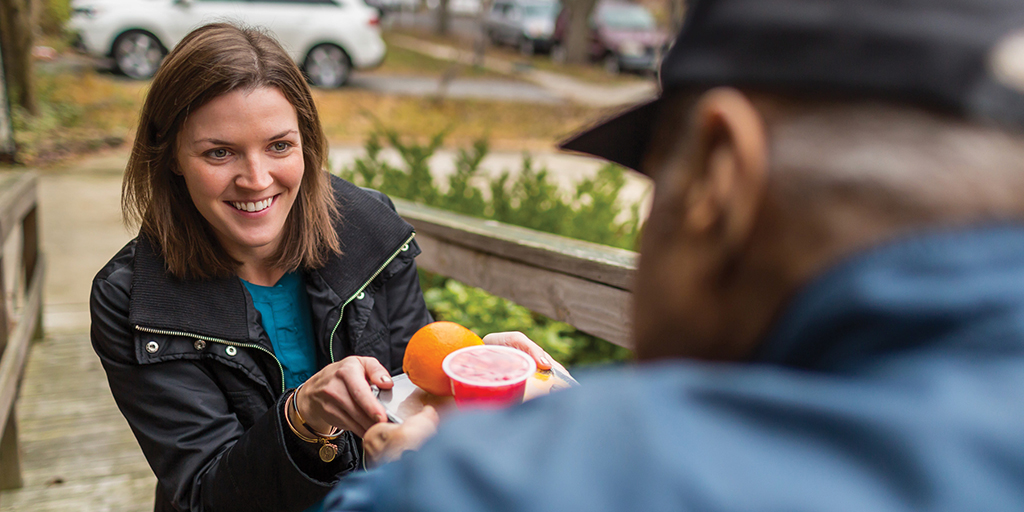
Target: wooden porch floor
78 453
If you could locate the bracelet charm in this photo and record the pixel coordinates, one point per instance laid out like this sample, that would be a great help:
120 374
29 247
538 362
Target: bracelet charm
328 451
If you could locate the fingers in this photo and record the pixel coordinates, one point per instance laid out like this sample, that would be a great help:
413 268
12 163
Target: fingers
385 442
519 341
425 421
377 374
340 395
375 442
357 373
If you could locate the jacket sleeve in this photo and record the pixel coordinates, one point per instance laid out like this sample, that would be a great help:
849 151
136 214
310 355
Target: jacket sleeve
202 456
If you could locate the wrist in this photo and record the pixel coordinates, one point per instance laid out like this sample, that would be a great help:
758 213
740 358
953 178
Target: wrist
309 425
293 419
327 449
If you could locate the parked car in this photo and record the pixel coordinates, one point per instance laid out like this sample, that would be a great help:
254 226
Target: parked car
623 36
327 38
525 24
457 7
385 7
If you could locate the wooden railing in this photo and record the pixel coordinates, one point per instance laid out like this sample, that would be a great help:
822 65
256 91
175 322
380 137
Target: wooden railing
583 284
18 208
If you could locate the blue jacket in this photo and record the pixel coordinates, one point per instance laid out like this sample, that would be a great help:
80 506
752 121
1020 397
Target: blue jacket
893 382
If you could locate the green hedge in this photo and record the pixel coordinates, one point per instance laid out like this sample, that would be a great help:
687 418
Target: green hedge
526 198
54 14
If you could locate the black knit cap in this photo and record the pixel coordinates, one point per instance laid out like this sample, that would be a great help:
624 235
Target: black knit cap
964 56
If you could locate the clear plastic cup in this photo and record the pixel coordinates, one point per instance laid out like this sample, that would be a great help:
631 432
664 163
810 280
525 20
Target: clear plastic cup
488 376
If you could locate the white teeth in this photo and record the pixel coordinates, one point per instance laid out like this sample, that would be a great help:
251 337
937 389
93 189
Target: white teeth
253 207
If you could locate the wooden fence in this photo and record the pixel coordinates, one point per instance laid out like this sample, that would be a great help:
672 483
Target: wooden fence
18 207
583 284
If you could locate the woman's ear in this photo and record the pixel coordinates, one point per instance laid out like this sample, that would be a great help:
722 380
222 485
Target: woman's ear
728 168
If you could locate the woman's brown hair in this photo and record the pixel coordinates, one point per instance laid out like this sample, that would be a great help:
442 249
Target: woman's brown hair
210 61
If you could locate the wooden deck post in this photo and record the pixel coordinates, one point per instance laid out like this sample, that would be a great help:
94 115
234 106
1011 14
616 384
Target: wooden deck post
18 206
30 258
10 456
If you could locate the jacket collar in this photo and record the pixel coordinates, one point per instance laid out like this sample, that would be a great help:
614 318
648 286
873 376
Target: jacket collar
370 230
960 290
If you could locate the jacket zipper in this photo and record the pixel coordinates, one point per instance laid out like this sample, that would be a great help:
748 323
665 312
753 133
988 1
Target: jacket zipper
341 313
330 341
216 340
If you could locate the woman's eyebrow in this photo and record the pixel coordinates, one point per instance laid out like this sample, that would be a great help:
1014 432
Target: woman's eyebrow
215 142
219 142
282 134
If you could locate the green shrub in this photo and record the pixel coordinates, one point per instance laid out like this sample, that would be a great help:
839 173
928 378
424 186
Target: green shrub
53 16
527 198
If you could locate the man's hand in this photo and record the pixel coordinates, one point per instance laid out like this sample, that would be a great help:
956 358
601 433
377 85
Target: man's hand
385 442
518 340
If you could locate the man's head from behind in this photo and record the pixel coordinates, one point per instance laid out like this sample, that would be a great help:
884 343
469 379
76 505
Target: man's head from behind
795 133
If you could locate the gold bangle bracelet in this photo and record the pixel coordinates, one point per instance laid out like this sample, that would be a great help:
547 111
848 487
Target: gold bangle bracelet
335 431
327 450
292 427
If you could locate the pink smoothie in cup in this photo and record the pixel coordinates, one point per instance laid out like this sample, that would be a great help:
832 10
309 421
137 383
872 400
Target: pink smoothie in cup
487 376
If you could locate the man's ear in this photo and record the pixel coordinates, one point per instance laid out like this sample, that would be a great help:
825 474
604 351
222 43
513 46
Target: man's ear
728 168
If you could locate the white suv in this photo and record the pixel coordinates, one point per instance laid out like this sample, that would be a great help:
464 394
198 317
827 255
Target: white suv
327 38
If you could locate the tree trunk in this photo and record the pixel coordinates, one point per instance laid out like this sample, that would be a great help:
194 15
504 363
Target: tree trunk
482 41
7 148
442 18
16 31
577 34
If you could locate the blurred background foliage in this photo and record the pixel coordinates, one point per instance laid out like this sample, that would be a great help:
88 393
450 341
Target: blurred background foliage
52 16
527 198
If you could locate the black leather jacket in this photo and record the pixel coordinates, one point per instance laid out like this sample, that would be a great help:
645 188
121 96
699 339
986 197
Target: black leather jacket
193 371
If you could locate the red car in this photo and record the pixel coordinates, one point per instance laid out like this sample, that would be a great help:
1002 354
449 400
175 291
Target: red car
623 36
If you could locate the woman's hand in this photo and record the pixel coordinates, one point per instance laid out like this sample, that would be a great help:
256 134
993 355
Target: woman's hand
339 395
385 442
519 341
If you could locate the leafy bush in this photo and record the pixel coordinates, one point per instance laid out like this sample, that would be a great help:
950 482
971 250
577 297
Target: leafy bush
528 198
54 14
78 112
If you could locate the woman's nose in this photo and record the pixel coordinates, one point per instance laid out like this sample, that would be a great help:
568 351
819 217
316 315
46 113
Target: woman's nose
255 175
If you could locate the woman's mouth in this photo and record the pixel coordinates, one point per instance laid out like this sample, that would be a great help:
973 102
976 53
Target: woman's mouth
253 207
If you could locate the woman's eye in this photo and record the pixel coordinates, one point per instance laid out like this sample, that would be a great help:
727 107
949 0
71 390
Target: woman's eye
219 153
281 146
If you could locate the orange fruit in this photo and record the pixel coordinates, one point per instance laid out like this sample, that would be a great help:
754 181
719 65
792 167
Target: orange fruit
428 348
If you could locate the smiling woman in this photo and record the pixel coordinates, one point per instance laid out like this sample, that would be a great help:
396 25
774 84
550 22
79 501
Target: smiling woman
236 288
239 339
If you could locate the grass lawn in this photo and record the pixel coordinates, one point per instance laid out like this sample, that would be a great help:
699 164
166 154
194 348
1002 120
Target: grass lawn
593 73
401 61
83 110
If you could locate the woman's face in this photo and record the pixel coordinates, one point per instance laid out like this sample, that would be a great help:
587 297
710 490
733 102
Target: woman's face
241 157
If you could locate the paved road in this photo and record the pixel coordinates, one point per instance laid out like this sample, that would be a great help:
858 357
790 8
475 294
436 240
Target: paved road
461 26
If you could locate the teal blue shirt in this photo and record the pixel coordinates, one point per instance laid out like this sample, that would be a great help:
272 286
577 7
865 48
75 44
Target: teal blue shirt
289 324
